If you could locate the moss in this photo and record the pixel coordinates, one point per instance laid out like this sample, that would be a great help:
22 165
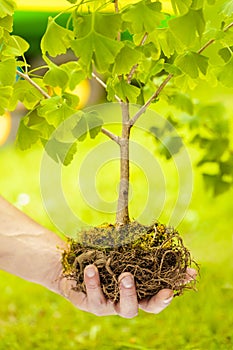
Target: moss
154 254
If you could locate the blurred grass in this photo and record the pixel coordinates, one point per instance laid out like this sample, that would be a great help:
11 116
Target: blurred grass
33 318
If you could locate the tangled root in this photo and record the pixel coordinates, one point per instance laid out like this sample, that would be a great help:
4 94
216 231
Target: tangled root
154 255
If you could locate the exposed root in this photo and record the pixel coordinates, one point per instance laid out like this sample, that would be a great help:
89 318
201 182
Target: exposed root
155 255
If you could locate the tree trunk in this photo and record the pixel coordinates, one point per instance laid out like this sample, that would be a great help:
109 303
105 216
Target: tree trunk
122 216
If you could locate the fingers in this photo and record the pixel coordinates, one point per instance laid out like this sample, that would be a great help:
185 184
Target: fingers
191 275
158 302
128 304
96 301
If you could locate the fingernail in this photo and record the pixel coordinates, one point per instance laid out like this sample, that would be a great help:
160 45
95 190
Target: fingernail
90 271
127 282
168 300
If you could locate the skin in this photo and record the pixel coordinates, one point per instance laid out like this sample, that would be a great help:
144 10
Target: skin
33 253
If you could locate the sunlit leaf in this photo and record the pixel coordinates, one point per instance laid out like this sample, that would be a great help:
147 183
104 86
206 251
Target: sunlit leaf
94 123
81 128
7 72
126 59
55 110
75 73
216 184
122 89
16 46
197 4
56 39
26 93
7 7
56 76
35 122
98 48
226 74
89 122
7 23
227 8
26 136
192 63
188 27
182 102
5 95
181 6
225 53
170 145
60 152
144 16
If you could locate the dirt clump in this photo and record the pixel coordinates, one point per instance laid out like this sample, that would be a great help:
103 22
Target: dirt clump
155 255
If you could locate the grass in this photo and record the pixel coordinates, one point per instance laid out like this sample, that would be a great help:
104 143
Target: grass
31 317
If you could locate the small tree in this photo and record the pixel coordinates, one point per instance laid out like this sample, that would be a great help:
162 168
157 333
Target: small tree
139 54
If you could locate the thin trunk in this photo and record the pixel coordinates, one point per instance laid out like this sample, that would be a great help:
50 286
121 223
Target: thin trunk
122 216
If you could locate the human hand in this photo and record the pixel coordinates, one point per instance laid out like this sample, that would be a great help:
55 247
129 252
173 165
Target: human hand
95 302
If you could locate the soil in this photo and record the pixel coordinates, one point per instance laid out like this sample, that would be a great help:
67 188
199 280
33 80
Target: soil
155 255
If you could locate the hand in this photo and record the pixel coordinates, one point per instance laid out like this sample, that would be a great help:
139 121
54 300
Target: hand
95 302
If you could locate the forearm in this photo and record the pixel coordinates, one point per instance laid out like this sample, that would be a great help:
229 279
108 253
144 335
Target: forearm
27 249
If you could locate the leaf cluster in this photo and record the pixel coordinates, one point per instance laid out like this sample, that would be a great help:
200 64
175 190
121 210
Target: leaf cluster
133 50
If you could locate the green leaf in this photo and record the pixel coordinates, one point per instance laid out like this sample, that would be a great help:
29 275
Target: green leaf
7 72
192 63
181 6
144 16
7 7
126 59
226 167
170 145
122 89
81 128
101 49
107 23
60 151
75 73
94 43
40 124
215 149
216 184
197 4
70 99
55 110
181 101
7 23
94 123
89 121
149 68
5 94
167 41
16 46
227 8
56 76
26 137
188 27
225 53
26 93
226 74
56 39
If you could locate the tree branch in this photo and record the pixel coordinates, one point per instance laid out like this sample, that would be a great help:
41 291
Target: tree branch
122 216
165 82
102 83
27 78
150 100
133 69
112 136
